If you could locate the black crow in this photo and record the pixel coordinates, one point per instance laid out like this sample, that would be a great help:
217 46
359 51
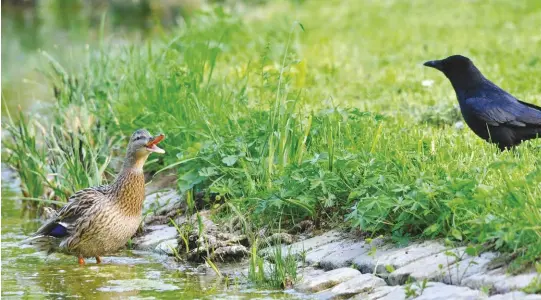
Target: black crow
492 113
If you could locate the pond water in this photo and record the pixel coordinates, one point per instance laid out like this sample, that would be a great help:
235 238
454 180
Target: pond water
28 274
64 28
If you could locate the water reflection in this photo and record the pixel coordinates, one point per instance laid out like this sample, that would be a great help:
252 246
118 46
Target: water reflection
65 29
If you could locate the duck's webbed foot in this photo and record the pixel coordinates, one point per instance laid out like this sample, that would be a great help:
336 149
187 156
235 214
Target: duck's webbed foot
81 261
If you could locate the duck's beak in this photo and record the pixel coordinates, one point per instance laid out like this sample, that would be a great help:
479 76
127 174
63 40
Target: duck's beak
151 146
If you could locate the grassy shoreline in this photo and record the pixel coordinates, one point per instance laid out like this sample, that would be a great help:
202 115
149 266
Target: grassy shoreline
325 118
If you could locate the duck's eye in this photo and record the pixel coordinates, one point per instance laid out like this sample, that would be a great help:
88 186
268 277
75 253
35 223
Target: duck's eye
139 138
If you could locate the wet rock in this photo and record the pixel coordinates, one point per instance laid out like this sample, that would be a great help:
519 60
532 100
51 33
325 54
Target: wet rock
500 282
434 291
154 235
377 293
361 283
167 247
327 280
428 268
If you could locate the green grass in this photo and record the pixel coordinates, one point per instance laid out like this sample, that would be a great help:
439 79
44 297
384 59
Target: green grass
317 110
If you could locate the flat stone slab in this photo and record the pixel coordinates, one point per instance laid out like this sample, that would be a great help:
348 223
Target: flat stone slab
435 291
429 268
316 255
515 296
344 254
157 234
389 255
403 256
308 244
467 267
362 283
327 280
500 282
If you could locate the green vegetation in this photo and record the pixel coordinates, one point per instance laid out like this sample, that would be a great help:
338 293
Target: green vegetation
281 272
313 110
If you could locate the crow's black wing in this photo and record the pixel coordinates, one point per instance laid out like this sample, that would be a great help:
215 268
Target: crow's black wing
530 105
496 113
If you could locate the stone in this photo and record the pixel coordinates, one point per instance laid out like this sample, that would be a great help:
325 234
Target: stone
515 296
500 282
467 267
310 272
367 262
161 201
161 181
429 268
327 280
358 284
156 234
167 247
229 253
207 225
377 293
435 291
299 247
344 255
315 255
388 255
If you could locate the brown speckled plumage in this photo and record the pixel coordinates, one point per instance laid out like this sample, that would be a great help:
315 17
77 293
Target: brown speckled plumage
100 220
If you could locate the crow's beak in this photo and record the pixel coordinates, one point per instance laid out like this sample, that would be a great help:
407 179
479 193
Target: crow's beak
436 64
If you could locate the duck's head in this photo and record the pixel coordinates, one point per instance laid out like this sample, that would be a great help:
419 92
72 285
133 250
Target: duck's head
141 145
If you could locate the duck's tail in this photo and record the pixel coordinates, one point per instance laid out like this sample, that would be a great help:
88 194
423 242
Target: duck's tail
45 243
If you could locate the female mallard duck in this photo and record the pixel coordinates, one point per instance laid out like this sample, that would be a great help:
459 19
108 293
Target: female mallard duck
100 220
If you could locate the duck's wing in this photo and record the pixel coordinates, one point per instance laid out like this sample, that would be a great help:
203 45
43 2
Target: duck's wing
78 204
61 225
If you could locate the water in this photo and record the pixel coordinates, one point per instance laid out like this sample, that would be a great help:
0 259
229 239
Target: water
28 274
64 29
